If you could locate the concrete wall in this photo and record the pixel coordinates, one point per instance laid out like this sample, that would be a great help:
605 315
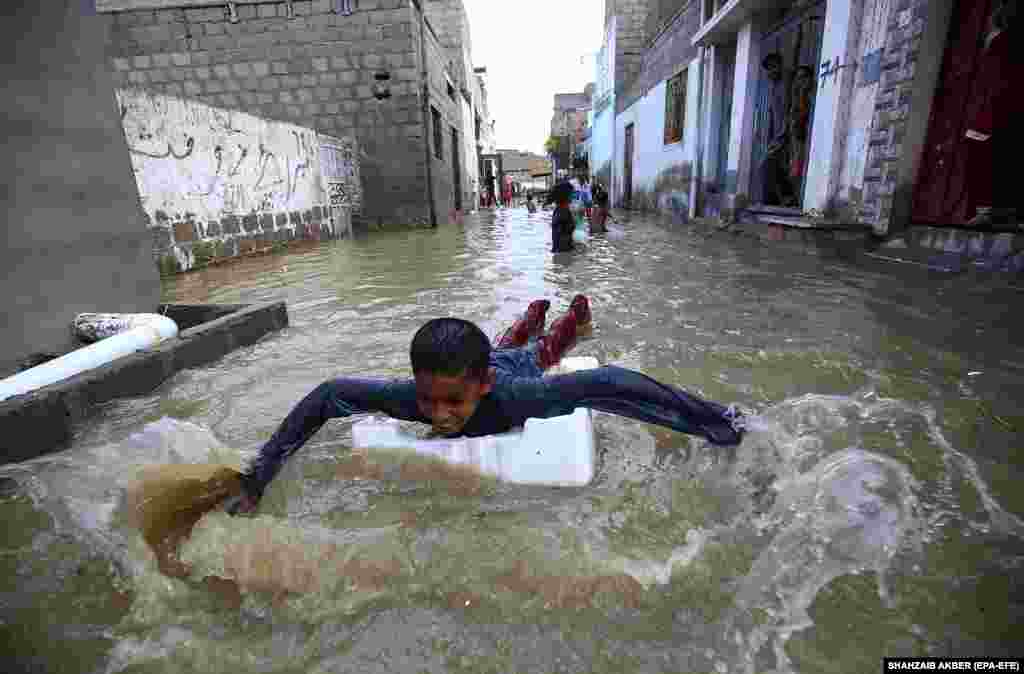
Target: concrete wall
451 25
672 47
662 12
216 183
75 234
316 69
438 79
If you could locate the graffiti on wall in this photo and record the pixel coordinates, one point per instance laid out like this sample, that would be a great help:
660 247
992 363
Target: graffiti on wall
192 159
339 164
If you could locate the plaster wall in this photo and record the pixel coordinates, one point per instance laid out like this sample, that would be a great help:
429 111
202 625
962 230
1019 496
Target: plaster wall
834 92
206 175
602 138
661 172
874 27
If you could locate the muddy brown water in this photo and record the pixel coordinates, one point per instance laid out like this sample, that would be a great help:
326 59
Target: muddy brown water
874 509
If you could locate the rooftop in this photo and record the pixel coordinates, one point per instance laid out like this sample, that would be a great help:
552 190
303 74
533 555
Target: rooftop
580 101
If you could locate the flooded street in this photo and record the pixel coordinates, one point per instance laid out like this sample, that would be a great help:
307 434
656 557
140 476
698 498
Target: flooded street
875 509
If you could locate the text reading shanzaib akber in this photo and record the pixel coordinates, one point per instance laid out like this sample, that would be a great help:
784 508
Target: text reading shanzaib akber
952 664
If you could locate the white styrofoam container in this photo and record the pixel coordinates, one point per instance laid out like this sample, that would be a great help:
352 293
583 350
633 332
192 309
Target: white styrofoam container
556 452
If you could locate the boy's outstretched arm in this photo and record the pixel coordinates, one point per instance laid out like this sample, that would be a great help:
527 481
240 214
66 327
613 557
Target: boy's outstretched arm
335 398
627 393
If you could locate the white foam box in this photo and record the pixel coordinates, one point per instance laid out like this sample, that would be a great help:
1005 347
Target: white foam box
558 451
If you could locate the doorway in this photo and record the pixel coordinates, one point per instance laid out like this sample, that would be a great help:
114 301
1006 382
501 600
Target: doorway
627 167
456 170
784 107
940 195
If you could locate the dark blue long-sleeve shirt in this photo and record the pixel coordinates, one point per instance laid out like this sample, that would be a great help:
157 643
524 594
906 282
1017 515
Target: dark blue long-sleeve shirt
519 393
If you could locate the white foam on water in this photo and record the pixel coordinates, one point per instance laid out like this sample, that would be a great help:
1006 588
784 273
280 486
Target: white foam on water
852 512
1003 521
651 572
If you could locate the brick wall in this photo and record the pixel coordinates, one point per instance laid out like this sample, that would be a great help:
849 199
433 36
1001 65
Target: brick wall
316 69
892 109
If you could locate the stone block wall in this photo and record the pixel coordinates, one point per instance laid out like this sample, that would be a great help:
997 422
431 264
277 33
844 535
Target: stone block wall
313 67
893 108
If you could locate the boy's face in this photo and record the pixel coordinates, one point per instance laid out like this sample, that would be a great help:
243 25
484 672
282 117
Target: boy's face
450 401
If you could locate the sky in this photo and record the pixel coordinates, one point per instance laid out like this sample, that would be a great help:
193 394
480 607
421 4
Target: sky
532 50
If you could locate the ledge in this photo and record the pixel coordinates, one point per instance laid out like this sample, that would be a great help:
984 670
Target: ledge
43 421
726 22
104 6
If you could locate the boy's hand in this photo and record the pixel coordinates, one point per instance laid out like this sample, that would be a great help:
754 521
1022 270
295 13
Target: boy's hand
243 504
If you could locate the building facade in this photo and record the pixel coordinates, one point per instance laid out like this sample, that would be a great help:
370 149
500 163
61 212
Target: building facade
569 124
76 237
793 111
527 170
380 73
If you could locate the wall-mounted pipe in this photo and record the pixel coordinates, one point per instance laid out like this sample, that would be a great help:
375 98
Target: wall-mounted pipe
149 330
426 112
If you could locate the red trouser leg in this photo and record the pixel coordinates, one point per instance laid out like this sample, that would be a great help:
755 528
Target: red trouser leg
563 333
530 325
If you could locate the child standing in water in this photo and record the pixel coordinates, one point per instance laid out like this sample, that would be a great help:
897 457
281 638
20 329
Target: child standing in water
599 214
563 223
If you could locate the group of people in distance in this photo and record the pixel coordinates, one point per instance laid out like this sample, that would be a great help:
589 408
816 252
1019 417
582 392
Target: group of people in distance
594 201
563 221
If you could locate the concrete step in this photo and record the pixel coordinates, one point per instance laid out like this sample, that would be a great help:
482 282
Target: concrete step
953 250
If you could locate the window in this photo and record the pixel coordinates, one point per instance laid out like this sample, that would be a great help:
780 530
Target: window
438 133
675 108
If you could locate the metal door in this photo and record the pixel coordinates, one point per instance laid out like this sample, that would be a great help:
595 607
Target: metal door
940 196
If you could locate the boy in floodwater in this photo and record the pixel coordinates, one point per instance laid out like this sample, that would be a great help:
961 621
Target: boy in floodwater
530 205
463 386
563 223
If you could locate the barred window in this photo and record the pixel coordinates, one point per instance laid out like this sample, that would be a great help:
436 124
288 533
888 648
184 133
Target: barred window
675 108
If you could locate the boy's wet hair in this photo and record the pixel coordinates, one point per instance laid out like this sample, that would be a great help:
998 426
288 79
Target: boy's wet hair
451 347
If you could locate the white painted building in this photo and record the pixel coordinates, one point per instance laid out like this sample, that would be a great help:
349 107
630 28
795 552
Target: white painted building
859 139
602 116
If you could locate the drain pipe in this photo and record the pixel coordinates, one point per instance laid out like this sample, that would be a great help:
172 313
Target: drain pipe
426 112
698 172
119 335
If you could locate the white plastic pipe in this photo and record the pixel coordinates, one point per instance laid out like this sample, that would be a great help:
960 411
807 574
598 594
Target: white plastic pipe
155 330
